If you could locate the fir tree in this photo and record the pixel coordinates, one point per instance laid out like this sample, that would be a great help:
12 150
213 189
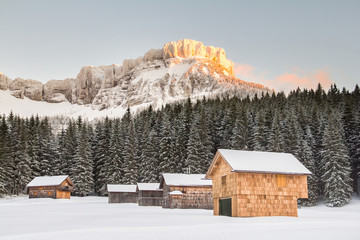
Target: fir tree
306 157
115 163
4 156
19 157
83 169
336 177
46 155
103 157
199 145
68 152
165 147
239 133
34 147
150 169
130 167
260 133
276 139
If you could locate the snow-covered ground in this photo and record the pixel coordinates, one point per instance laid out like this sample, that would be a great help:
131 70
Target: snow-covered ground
94 218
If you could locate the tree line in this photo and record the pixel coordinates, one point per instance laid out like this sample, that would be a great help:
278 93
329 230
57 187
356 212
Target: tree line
322 129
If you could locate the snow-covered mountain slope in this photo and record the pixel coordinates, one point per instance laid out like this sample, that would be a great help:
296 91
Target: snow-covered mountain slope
27 107
179 70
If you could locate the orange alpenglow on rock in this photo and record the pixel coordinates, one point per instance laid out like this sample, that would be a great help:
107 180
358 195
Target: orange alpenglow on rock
187 48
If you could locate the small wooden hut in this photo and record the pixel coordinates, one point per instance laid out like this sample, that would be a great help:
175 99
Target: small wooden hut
248 184
121 193
50 187
186 191
149 194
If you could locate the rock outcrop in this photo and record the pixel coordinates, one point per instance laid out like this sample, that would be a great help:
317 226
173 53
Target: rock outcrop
4 82
189 48
26 87
55 91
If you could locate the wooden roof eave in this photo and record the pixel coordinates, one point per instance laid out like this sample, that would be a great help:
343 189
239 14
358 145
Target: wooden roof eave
213 164
153 190
179 185
66 179
269 172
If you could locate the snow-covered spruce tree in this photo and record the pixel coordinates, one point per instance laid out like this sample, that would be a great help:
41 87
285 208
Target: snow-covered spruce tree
142 126
199 145
165 147
306 157
98 152
59 167
103 157
206 138
115 172
150 157
337 170
68 152
4 156
218 115
131 170
352 135
183 129
20 174
317 126
34 145
259 133
83 165
276 140
356 136
226 130
292 134
177 148
239 133
55 155
45 153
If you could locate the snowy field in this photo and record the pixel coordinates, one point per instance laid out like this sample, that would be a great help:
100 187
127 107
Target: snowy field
94 218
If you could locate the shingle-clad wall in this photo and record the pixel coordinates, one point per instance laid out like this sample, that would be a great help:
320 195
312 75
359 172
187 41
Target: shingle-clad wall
192 197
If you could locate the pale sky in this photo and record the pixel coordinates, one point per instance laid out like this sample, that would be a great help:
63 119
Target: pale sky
282 44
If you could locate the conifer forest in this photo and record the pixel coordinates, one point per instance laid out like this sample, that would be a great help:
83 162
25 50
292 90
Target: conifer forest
321 128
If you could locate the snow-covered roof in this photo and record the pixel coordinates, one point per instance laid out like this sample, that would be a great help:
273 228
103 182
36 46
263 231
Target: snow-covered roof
149 187
263 162
47 181
175 193
121 188
178 179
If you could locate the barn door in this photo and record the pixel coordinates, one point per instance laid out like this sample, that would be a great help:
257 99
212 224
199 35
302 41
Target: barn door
225 207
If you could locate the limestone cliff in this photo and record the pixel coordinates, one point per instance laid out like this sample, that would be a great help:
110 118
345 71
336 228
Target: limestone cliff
189 48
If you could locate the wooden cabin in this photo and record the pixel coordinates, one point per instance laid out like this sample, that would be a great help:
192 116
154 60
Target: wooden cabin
186 191
121 193
149 194
249 184
51 187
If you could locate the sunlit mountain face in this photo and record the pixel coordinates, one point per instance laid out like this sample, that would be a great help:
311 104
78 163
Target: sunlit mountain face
180 70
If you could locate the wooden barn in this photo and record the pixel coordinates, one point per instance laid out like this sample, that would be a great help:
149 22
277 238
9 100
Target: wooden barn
121 193
149 194
50 187
186 191
248 184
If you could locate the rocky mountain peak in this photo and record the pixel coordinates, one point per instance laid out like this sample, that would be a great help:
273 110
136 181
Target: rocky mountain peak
189 48
181 69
